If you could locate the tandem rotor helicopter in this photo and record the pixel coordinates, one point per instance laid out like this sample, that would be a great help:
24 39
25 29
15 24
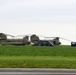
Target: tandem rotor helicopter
31 39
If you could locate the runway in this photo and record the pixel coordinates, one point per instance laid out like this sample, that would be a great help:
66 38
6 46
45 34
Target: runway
36 71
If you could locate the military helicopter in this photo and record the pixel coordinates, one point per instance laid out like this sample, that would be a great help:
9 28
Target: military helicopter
5 41
36 41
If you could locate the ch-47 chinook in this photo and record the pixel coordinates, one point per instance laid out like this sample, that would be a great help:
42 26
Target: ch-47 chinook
5 41
37 42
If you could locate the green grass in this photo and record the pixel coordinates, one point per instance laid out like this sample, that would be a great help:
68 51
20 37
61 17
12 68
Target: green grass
37 62
38 51
37 57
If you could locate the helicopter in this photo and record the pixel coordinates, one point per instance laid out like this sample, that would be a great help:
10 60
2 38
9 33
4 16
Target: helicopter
5 41
36 41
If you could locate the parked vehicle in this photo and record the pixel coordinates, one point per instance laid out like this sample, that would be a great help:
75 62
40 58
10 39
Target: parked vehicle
43 43
73 44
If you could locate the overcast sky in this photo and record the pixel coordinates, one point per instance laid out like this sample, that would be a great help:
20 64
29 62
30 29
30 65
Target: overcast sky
42 17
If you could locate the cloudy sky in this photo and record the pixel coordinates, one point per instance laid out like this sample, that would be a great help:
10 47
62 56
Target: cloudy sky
42 17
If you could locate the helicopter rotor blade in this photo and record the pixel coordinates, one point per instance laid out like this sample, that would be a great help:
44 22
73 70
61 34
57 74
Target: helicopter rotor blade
65 39
45 36
9 35
23 35
50 37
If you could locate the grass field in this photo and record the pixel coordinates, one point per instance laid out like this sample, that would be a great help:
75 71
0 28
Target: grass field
38 56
